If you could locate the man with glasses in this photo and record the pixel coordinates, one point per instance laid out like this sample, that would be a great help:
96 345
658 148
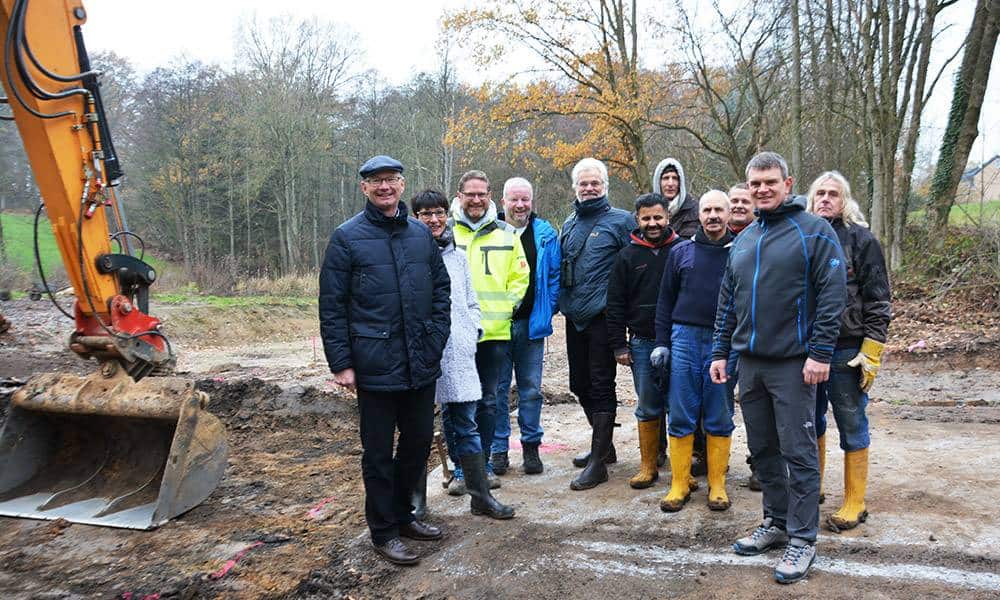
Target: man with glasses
532 324
590 240
384 311
500 276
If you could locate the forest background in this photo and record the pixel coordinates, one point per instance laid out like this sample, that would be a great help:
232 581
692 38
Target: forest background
242 172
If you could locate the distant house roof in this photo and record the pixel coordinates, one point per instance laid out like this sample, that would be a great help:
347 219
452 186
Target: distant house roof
971 173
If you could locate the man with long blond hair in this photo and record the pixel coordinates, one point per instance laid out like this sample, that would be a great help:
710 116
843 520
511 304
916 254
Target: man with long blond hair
858 351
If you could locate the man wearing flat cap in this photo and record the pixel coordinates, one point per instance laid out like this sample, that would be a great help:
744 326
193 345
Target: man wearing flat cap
384 311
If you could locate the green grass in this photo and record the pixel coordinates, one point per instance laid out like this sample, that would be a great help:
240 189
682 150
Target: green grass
967 214
232 301
18 237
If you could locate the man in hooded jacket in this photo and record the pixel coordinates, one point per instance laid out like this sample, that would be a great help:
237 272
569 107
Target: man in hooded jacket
669 180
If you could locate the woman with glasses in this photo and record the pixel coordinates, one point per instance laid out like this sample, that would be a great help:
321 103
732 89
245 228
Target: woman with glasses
458 388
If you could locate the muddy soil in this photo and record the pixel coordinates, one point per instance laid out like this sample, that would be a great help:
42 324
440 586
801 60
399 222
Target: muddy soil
290 508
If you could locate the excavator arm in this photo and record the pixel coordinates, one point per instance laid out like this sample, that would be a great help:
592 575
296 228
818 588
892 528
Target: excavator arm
117 447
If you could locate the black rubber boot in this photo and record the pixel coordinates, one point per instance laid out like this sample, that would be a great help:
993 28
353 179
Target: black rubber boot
596 471
476 485
532 462
661 453
580 460
419 499
699 466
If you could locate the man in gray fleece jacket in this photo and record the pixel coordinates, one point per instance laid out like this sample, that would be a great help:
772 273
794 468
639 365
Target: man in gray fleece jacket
782 296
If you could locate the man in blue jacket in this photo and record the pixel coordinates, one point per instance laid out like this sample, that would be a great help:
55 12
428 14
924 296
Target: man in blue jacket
532 323
384 311
590 240
780 305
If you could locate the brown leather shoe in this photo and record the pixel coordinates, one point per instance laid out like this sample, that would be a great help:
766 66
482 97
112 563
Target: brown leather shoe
418 530
397 553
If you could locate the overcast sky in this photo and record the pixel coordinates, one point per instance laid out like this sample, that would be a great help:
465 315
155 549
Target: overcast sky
398 40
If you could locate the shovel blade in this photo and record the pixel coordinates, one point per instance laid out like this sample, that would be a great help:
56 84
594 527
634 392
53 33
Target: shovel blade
108 451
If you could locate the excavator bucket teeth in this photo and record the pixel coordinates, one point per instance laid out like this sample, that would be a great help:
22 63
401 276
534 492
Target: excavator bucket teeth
108 451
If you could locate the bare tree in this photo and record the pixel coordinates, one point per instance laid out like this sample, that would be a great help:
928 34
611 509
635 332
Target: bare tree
963 119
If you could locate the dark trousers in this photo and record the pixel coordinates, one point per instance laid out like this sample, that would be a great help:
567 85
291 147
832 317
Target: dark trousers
490 356
390 478
779 411
592 366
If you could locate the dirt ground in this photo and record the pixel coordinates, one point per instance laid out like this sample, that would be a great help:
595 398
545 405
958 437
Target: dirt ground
289 513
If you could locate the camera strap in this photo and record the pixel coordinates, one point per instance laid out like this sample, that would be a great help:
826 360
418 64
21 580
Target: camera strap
590 229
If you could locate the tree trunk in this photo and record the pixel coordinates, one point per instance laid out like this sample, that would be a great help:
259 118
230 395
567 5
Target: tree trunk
963 119
796 92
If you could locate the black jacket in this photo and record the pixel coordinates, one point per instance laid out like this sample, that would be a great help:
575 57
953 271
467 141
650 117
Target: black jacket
869 299
633 288
384 301
686 222
784 289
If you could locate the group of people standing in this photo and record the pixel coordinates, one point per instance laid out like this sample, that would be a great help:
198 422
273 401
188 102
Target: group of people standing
788 295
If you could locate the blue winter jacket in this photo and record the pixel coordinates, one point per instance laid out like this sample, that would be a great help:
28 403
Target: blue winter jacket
384 301
784 288
546 279
590 240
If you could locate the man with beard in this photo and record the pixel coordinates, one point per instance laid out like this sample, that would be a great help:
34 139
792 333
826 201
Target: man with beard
532 324
632 291
500 276
590 239
858 354
685 316
740 208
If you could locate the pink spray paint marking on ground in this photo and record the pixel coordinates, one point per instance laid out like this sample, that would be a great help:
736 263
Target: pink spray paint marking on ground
317 510
232 561
544 448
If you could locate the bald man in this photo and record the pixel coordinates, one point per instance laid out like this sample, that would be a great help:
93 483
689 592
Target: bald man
685 318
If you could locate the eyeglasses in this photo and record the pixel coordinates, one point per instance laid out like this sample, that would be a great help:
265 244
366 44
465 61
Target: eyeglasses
476 195
377 181
432 214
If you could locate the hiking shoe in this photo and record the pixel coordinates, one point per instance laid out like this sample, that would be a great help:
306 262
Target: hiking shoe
457 486
765 537
794 565
491 477
500 463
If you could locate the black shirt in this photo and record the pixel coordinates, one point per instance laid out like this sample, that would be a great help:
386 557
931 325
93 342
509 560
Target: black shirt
531 255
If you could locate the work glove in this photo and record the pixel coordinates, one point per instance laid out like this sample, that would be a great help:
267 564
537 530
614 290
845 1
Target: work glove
870 360
660 358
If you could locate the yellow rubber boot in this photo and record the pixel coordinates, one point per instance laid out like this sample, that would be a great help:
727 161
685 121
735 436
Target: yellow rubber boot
855 481
718 461
821 442
680 473
649 444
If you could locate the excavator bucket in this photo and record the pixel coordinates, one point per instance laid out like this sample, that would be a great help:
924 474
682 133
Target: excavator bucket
108 450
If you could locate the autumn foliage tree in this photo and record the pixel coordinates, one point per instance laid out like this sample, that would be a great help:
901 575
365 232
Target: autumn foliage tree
591 80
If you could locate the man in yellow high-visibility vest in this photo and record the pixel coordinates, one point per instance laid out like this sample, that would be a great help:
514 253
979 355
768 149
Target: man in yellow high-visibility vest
500 276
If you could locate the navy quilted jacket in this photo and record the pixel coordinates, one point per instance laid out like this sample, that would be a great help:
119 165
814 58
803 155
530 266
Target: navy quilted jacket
384 301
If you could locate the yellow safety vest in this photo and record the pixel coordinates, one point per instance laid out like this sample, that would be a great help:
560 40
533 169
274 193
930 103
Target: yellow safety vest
500 273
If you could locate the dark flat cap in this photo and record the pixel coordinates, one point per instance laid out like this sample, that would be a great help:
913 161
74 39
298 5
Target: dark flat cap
380 163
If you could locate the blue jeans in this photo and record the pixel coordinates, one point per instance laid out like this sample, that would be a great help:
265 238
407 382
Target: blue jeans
489 357
652 401
524 357
692 393
843 391
461 430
